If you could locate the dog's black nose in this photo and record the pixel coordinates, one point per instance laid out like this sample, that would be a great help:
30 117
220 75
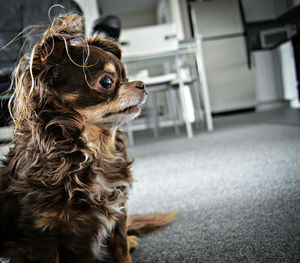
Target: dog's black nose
140 84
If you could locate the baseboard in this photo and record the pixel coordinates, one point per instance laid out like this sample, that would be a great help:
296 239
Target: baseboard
272 105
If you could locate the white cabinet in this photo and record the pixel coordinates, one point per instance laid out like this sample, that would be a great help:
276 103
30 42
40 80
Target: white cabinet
268 81
275 77
288 72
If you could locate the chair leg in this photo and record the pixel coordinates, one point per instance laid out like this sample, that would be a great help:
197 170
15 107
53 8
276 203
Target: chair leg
197 95
156 117
198 108
188 124
173 105
130 134
152 113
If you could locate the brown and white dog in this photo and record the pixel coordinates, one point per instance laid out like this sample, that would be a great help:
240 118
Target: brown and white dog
65 180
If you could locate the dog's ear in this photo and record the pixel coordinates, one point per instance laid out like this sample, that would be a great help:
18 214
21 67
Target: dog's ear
105 44
57 38
51 53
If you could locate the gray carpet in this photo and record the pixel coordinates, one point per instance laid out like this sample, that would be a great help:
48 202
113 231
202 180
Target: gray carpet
238 190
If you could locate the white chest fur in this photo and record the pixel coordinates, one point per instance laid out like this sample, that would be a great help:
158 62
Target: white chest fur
106 225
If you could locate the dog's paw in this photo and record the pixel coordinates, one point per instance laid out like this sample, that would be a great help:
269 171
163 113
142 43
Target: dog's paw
132 242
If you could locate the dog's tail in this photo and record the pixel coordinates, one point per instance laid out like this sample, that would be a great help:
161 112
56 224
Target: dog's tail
140 225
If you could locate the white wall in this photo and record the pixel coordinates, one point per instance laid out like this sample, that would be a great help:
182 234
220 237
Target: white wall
185 19
218 17
137 19
175 12
132 13
90 12
259 10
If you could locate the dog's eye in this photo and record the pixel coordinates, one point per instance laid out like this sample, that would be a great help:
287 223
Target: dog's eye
106 82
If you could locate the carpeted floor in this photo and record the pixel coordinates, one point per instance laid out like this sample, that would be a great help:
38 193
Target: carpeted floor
238 190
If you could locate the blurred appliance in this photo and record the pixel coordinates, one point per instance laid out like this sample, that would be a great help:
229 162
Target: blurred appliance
230 82
271 37
107 26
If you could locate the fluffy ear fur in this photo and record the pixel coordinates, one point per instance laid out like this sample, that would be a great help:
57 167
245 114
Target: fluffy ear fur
58 36
35 73
105 44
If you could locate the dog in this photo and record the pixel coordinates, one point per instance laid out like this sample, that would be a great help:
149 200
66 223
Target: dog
66 178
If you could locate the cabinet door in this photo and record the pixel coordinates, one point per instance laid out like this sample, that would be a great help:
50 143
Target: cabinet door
230 82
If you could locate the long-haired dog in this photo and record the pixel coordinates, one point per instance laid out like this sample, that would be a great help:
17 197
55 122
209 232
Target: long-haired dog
65 180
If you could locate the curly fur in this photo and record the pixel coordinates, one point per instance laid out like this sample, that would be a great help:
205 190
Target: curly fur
65 180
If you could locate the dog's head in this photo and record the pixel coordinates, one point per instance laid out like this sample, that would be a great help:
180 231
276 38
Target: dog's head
102 93
68 72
